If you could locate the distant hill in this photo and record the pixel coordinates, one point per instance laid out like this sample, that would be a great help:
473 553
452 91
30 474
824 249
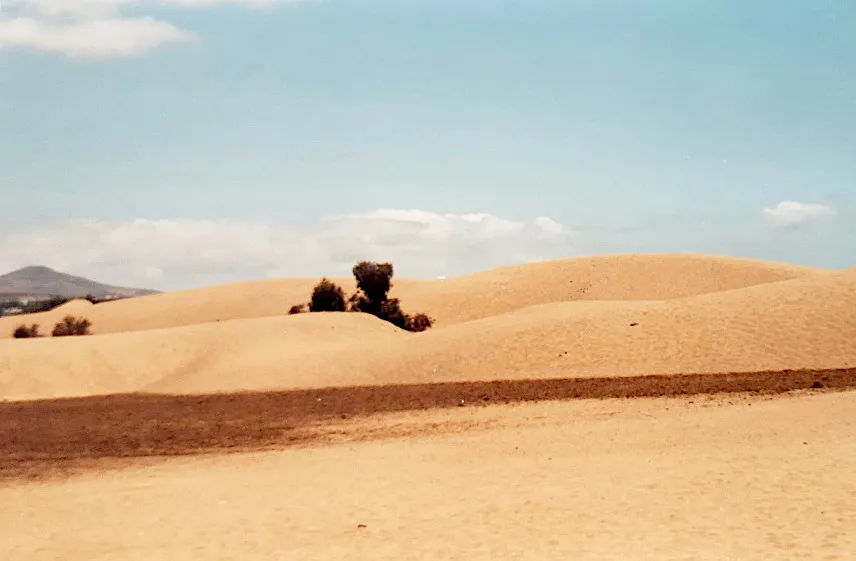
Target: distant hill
45 282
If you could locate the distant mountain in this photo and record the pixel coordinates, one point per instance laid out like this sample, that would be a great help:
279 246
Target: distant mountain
45 282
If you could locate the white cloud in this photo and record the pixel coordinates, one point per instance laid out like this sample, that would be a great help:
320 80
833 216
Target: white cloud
91 40
89 7
96 29
184 253
209 3
549 227
793 213
153 273
60 8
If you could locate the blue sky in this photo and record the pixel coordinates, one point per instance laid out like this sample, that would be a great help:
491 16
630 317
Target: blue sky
177 143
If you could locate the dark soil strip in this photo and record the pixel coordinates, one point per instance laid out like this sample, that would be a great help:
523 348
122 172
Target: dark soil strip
39 436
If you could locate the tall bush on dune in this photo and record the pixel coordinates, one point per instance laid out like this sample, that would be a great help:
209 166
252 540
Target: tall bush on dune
374 281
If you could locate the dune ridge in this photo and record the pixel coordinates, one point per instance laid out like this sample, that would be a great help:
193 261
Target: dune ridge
450 301
757 317
784 325
644 277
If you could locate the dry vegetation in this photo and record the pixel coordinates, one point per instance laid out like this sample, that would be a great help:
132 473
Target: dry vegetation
27 332
69 326
374 281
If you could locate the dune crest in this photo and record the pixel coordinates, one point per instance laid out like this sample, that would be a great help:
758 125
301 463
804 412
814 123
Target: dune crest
450 301
602 277
755 317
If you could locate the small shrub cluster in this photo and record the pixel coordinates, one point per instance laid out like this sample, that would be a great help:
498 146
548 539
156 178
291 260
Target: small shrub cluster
69 326
27 332
374 281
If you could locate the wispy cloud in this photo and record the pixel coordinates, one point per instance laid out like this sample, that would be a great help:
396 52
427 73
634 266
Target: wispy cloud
209 3
794 213
59 8
91 40
97 29
184 253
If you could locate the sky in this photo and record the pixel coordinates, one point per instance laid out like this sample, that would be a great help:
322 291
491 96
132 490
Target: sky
179 143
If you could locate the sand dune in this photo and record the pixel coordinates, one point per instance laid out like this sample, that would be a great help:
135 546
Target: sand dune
805 322
123 362
802 323
171 309
602 277
622 277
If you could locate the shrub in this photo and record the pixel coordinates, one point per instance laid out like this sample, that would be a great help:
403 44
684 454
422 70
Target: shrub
27 332
390 310
419 323
71 325
374 281
327 296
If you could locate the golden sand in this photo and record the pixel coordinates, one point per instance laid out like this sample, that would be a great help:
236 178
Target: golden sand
591 317
651 479
367 442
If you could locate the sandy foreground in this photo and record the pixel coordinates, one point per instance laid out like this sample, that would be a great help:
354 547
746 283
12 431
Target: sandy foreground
708 477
